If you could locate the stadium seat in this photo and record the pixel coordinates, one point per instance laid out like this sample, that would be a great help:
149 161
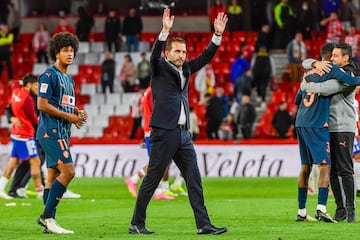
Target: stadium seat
148 36
73 69
4 122
39 68
113 98
92 58
84 47
276 97
107 109
238 36
122 110
97 98
100 120
88 89
98 47
95 131
86 69
92 109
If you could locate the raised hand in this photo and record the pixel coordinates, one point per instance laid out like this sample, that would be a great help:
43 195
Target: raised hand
220 23
167 20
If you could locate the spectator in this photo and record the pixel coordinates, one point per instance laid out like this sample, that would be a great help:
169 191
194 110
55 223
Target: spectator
296 53
194 125
243 84
238 67
220 93
333 28
352 38
263 69
6 39
63 26
347 14
247 116
214 115
84 25
133 27
137 112
234 13
225 129
285 24
205 81
13 21
107 73
306 20
216 8
101 9
282 120
263 38
128 74
40 43
113 31
143 70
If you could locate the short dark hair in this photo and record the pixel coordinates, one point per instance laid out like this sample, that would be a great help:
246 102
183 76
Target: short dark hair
174 39
29 78
326 50
346 49
61 40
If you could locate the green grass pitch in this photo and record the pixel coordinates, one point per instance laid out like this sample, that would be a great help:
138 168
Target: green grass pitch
251 208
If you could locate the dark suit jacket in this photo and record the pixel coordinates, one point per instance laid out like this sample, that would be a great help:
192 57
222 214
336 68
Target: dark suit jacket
166 86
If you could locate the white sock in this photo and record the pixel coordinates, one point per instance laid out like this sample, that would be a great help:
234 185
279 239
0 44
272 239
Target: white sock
3 183
178 181
321 208
165 185
302 212
137 176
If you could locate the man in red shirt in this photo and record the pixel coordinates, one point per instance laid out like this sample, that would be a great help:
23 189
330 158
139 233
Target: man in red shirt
22 135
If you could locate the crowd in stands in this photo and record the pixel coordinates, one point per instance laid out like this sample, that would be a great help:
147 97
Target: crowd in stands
237 96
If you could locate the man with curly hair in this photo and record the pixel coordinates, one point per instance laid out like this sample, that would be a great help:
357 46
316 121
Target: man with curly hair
56 103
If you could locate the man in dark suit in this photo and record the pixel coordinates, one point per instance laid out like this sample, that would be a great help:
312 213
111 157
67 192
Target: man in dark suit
170 138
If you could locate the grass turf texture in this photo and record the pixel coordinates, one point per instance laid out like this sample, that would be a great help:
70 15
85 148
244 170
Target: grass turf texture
251 208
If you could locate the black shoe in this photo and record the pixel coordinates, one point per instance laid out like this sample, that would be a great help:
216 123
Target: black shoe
321 216
133 229
15 195
358 193
210 229
307 218
41 221
350 215
340 215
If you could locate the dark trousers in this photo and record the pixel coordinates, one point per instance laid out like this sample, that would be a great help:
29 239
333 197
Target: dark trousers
261 83
112 42
212 128
104 84
246 131
41 54
341 145
136 125
173 144
7 58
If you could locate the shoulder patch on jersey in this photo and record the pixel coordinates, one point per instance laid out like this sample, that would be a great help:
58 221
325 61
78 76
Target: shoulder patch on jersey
44 87
48 74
